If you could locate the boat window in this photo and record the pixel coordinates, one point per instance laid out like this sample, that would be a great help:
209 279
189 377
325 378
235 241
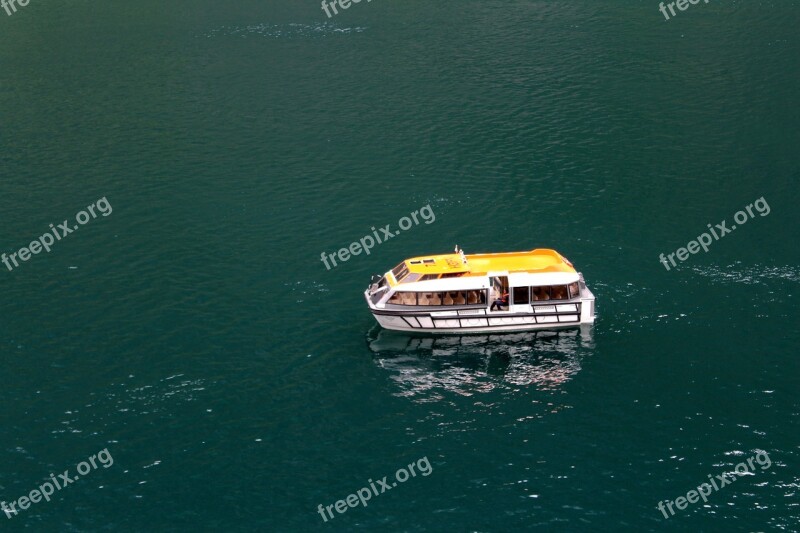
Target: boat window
475 297
558 292
411 277
429 298
540 293
417 262
400 271
428 261
521 295
452 275
472 297
403 298
574 291
426 277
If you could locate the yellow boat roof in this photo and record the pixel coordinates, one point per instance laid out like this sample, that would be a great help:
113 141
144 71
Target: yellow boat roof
538 260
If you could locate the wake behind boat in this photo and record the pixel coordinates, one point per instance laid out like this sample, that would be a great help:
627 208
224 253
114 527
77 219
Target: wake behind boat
458 293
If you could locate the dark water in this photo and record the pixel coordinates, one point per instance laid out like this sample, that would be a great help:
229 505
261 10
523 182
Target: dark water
195 334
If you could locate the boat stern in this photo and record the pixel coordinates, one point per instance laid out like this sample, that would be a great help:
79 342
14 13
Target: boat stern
587 303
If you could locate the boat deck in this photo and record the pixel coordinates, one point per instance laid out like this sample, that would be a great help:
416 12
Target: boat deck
539 260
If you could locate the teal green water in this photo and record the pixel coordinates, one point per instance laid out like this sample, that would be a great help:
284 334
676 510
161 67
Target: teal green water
238 384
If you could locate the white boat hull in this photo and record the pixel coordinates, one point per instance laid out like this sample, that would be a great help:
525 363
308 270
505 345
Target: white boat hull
537 317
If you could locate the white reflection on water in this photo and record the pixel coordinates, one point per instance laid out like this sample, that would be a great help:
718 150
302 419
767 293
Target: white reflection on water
737 272
424 367
284 31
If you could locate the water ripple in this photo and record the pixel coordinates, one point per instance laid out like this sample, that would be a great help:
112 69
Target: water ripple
284 31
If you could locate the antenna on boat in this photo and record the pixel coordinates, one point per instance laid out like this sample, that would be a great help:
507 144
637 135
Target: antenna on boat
461 253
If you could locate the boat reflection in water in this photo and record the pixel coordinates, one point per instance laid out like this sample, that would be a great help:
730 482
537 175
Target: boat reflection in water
472 364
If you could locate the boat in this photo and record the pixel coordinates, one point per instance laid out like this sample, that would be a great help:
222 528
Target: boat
504 292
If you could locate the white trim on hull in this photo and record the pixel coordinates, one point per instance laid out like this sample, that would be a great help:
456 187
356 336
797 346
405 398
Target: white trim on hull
398 323
557 315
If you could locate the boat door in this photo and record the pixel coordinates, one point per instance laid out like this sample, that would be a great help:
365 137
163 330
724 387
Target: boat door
521 299
499 286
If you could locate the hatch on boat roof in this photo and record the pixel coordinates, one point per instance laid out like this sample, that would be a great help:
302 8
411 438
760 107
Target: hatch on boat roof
438 264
